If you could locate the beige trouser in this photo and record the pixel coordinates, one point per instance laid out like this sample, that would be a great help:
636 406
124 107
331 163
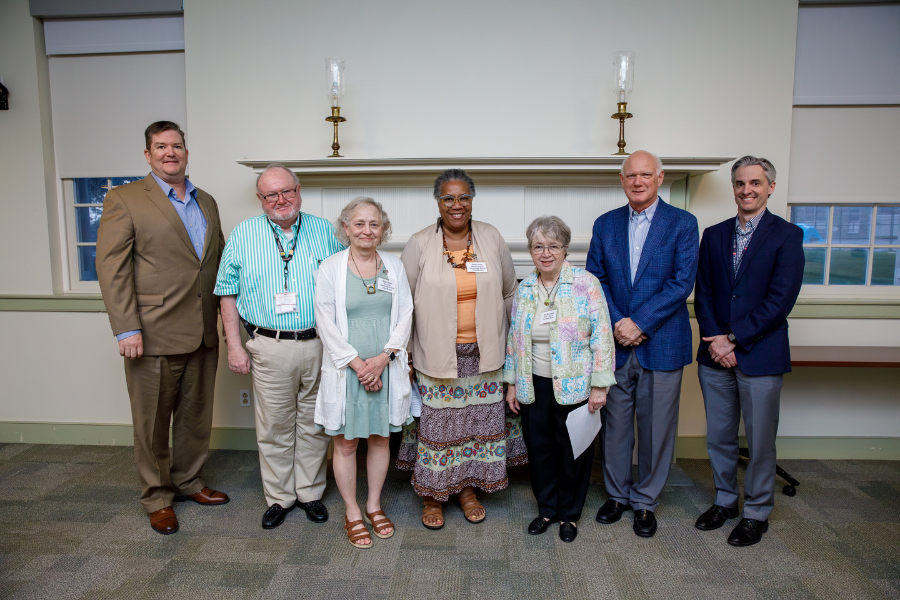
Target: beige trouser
176 389
291 449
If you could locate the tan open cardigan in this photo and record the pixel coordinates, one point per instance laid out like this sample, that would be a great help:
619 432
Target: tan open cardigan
433 286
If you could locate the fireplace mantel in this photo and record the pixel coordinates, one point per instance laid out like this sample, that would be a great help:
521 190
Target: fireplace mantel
488 170
511 191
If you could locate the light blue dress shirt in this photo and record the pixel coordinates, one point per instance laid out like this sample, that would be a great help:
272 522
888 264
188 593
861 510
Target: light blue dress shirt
638 227
193 218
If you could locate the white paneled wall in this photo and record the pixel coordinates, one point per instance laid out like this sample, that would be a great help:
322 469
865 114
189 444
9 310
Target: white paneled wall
508 208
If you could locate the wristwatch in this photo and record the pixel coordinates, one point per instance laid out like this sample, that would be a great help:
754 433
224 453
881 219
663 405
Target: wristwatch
731 338
391 355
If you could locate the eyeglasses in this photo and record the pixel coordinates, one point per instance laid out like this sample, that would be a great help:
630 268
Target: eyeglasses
554 249
286 194
464 200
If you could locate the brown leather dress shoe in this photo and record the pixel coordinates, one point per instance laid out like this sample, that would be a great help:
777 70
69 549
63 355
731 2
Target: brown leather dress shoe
164 521
206 496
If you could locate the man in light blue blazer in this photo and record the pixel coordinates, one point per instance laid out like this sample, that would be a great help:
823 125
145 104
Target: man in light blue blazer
645 256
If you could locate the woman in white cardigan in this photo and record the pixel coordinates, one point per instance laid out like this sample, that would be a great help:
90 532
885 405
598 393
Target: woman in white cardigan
363 316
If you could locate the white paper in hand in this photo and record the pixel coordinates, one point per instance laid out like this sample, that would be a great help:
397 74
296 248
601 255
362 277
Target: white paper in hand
583 428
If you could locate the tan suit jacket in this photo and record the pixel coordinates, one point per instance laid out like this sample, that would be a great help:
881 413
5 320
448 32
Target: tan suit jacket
150 276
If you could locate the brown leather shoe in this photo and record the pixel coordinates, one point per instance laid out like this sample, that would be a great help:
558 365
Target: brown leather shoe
164 521
206 496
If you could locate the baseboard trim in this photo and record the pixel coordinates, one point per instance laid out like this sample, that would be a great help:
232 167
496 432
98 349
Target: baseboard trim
103 434
244 438
799 448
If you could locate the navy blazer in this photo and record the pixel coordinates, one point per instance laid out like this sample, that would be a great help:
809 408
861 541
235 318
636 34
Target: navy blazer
755 303
656 302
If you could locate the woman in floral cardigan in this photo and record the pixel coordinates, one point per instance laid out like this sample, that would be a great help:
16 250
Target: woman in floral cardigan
559 355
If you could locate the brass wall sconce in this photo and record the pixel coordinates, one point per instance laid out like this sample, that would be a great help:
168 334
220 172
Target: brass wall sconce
623 82
334 72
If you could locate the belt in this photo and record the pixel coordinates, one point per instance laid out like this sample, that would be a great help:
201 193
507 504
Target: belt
306 334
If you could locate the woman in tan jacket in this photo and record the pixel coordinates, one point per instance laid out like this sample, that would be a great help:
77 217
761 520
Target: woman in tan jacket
463 282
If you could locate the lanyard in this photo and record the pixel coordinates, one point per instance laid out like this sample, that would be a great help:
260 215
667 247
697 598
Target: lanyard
286 257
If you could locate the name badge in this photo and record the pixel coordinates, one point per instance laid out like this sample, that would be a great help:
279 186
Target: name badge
548 317
386 286
476 267
285 303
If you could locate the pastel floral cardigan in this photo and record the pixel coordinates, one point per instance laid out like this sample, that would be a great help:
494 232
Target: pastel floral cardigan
581 340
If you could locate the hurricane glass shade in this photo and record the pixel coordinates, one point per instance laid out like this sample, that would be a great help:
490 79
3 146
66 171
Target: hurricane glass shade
623 74
334 75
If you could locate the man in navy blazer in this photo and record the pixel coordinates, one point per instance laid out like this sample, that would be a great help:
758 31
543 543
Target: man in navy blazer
645 256
750 273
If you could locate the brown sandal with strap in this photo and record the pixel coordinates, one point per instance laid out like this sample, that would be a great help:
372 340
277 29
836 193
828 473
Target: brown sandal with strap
379 521
469 504
354 537
432 508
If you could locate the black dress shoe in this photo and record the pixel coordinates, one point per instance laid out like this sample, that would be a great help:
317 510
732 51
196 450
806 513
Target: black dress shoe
567 532
540 525
611 512
315 510
748 532
715 517
644 523
274 516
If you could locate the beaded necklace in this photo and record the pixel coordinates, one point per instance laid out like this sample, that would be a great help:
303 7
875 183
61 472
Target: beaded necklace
468 255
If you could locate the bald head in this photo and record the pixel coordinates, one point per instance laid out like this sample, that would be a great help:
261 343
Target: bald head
644 154
641 175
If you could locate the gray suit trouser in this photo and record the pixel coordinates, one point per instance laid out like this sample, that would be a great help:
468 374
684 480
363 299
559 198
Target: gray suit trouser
728 393
653 397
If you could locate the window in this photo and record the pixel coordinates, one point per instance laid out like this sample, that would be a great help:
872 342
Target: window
98 72
85 201
850 244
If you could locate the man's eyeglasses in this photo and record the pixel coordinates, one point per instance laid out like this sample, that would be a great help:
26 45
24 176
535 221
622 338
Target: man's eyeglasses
286 194
448 201
554 249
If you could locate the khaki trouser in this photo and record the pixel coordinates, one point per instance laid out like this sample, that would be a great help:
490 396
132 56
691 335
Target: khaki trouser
176 389
291 448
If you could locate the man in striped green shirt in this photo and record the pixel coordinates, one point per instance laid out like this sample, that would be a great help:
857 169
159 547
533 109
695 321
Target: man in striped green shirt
266 281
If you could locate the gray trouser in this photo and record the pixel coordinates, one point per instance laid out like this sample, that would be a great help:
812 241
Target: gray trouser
653 396
728 393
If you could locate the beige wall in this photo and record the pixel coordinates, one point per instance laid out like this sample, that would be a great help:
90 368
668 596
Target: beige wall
424 79
25 233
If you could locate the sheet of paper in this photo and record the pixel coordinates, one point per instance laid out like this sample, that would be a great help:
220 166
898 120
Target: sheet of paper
583 428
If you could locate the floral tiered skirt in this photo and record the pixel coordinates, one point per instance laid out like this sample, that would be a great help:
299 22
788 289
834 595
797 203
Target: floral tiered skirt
465 436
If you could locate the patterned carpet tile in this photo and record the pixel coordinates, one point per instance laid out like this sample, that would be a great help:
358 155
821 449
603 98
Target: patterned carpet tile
71 527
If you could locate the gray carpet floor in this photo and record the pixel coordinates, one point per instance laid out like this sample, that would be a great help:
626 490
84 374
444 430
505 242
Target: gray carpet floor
71 527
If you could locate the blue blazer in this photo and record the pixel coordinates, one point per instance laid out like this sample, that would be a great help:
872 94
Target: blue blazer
656 302
755 303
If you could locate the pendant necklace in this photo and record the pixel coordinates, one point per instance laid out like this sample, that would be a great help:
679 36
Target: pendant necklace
468 255
551 294
370 289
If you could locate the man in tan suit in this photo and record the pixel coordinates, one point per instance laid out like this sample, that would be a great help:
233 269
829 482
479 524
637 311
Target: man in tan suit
158 251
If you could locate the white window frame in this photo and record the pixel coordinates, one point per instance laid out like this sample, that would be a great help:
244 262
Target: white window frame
75 284
864 291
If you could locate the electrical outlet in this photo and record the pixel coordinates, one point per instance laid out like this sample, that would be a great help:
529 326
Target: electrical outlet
245 397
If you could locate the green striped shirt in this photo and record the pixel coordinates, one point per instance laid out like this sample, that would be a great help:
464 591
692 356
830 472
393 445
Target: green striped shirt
252 269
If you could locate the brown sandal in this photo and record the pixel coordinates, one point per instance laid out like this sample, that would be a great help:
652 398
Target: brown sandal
378 520
432 508
354 537
469 505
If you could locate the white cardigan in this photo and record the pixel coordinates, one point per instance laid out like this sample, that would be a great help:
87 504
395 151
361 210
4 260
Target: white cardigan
331 323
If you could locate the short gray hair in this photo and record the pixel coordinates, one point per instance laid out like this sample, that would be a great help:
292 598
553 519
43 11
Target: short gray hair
345 215
550 227
750 161
659 165
453 175
273 166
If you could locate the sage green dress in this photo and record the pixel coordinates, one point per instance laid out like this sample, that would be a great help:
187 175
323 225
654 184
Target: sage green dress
368 330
